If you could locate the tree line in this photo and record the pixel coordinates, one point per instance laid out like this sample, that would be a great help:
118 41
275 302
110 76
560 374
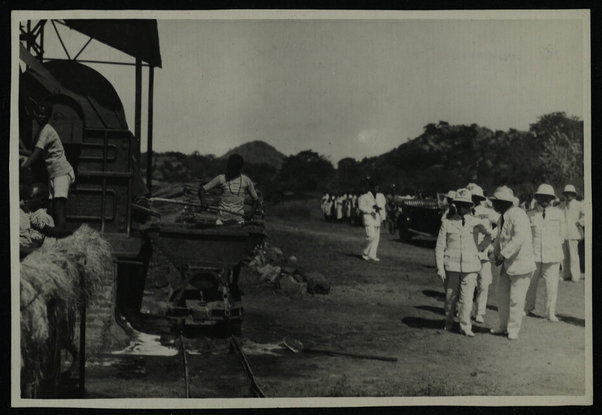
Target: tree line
443 157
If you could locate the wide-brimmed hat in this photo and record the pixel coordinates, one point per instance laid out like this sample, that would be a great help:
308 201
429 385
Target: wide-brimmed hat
503 193
463 196
569 188
476 190
451 194
545 190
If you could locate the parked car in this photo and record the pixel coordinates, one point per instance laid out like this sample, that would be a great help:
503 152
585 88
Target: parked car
420 217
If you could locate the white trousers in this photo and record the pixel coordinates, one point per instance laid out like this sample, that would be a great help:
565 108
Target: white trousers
483 282
459 290
550 272
372 239
511 292
570 265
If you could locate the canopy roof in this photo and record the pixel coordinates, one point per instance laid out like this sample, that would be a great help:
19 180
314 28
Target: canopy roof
136 37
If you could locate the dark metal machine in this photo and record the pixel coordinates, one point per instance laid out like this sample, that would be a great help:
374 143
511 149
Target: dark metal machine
89 117
420 217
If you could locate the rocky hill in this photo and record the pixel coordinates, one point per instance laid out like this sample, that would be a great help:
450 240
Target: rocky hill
258 152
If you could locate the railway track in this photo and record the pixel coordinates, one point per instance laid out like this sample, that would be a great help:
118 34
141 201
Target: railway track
235 347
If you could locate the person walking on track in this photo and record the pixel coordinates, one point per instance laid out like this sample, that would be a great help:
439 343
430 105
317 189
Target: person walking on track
512 250
372 206
548 228
457 259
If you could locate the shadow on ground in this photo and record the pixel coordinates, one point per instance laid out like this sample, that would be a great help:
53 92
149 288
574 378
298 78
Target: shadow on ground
579 322
437 295
436 310
423 323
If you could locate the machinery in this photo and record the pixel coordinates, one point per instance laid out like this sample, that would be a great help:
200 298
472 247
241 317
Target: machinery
109 187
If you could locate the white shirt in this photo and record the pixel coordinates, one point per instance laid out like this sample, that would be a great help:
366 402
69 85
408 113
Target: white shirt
366 204
574 217
514 242
548 234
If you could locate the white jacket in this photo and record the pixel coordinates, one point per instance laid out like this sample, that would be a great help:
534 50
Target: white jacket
489 217
366 204
574 217
514 242
456 248
548 234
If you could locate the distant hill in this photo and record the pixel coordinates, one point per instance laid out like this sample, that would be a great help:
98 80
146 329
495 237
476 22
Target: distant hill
257 152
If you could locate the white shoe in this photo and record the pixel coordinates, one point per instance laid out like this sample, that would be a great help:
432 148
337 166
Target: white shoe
512 336
479 319
375 259
468 333
365 257
553 319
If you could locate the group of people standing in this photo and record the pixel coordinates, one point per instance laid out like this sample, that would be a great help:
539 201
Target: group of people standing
341 208
480 234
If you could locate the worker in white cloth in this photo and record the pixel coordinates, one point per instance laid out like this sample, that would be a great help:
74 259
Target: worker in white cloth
457 259
489 217
575 221
372 207
548 228
60 173
234 187
512 250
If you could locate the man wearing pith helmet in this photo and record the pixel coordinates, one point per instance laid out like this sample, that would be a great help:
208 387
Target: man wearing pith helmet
512 250
548 228
489 218
457 259
575 221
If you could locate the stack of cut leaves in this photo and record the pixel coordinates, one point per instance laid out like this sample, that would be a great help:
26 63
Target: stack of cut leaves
54 280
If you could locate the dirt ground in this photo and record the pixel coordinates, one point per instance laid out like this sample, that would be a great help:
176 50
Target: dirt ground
392 308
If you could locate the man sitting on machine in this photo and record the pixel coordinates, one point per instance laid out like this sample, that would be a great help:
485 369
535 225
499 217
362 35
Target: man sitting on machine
60 173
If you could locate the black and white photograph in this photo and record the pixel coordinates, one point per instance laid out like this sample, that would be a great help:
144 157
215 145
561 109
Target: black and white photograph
286 208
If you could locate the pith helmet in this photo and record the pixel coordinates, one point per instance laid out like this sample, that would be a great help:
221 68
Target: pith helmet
569 188
451 194
476 190
463 196
504 193
545 190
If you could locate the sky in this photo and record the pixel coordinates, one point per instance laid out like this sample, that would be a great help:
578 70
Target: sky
345 88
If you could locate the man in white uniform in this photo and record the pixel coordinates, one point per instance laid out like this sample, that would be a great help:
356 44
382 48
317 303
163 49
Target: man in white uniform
575 221
513 250
488 217
372 207
548 228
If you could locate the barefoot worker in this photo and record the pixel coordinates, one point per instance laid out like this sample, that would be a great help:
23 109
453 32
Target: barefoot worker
234 187
457 258
372 206
513 250
60 173
549 229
